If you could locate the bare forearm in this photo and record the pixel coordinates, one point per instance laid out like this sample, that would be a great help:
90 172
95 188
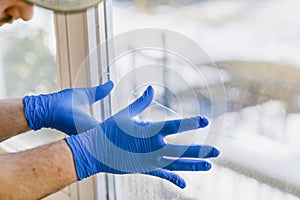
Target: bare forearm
12 118
36 173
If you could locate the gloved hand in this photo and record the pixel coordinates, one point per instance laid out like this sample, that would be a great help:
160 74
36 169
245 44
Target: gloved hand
65 110
121 145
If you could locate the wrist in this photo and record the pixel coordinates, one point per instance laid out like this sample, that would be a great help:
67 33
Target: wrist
85 164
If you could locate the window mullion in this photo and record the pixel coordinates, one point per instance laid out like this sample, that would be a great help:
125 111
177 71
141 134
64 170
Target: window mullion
72 50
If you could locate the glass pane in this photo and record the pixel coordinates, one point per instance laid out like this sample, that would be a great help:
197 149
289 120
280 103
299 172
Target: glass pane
254 47
27 67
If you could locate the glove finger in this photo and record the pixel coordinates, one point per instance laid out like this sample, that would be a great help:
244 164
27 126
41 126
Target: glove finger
191 151
169 176
99 92
140 104
184 164
179 125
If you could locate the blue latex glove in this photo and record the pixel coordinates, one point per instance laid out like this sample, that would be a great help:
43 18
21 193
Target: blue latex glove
121 145
66 110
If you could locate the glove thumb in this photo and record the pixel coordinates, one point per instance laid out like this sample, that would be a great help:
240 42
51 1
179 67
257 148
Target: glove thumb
139 105
99 92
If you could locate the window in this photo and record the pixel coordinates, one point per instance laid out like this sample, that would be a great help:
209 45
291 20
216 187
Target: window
253 45
234 61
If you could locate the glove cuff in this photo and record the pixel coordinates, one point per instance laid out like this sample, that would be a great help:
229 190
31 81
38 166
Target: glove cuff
85 164
36 109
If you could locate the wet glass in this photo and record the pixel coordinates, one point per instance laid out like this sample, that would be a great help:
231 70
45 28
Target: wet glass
248 61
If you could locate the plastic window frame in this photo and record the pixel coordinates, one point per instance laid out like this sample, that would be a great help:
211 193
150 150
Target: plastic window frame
77 35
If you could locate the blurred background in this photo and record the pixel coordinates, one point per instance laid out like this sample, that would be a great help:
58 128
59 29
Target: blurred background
255 46
28 67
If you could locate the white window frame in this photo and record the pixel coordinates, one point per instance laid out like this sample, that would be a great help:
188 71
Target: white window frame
78 35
